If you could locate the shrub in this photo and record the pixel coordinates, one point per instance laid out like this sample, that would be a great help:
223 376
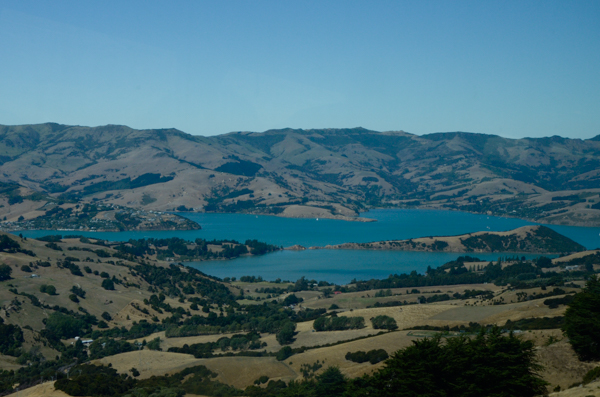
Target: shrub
291 300
54 246
543 262
284 353
65 326
154 344
8 244
75 269
78 291
384 322
48 289
94 380
5 272
338 323
372 356
553 303
261 380
108 284
591 375
15 199
11 339
104 347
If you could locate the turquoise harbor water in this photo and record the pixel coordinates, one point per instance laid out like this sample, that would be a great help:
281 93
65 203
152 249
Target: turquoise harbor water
339 266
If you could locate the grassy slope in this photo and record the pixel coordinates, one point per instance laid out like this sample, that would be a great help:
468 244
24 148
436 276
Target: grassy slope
562 368
551 180
526 239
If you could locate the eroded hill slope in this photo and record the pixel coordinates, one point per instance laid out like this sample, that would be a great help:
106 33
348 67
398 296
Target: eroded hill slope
335 172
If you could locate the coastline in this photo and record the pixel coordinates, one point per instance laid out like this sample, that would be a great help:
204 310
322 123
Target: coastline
292 212
564 221
537 239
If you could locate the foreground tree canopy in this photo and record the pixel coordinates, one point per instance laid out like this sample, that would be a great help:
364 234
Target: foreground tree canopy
582 321
490 364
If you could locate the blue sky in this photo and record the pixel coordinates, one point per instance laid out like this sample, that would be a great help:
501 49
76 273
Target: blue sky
512 68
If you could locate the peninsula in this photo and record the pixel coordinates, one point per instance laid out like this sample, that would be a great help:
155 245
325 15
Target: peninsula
526 239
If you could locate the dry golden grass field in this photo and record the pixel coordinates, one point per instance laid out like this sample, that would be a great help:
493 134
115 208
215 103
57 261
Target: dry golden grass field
45 389
126 306
236 371
589 390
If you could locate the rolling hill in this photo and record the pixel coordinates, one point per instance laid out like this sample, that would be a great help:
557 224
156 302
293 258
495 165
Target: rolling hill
312 173
526 239
133 310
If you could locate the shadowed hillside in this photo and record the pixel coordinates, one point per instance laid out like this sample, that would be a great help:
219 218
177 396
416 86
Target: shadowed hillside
300 173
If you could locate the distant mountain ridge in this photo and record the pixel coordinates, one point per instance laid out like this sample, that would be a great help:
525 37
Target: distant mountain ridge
294 172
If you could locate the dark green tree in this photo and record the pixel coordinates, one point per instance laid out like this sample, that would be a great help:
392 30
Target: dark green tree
11 339
92 380
284 353
488 365
154 344
582 321
5 272
285 336
330 383
78 291
48 289
65 326
291 300
108 284
384 322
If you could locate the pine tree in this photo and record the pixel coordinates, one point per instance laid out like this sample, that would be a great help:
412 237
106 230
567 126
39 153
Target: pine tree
582 321
490 364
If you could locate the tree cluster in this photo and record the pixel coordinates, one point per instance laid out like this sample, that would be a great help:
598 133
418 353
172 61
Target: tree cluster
373 356
335 323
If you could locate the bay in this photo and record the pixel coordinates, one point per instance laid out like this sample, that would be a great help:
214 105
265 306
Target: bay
339 266
335 266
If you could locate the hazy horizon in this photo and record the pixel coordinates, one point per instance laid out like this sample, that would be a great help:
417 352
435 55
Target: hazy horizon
513 69
305 129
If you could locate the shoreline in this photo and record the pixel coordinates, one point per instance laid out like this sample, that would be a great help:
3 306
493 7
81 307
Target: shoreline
425 207
360 218
330 216
536 239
